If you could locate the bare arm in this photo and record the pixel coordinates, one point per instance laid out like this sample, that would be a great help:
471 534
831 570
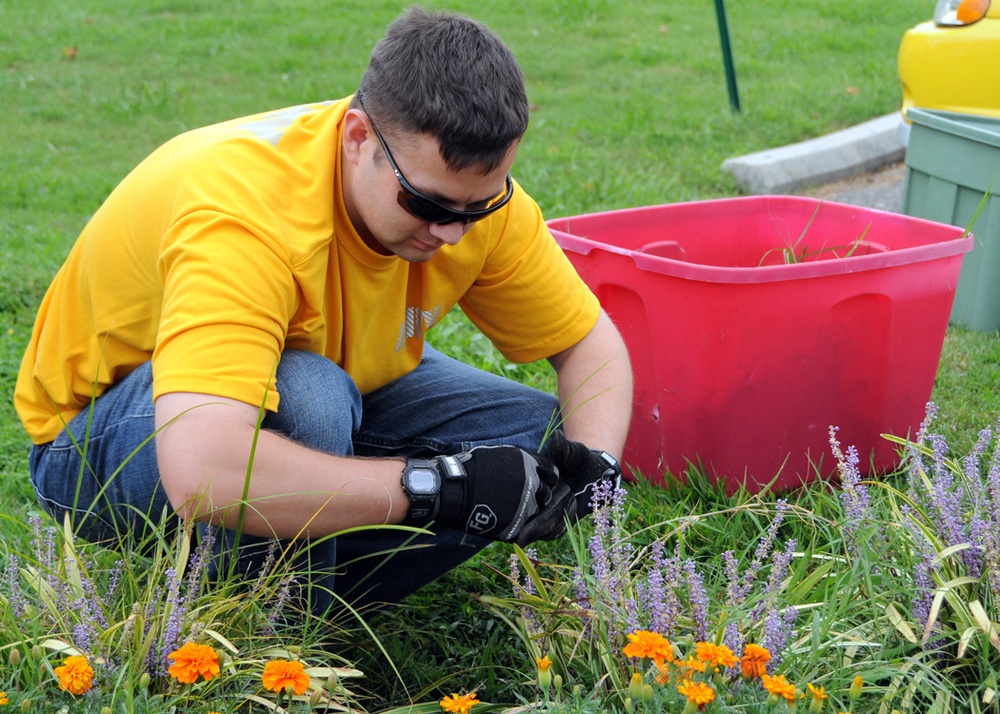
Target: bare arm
204 444
595 388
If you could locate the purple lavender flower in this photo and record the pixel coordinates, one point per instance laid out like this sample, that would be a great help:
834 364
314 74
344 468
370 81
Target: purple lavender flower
632 615
780 563
82 634
950 512
854 496
923 584
654 595
930 413
281 601
12 579
524 586
582 592
778 627
698 598
176 605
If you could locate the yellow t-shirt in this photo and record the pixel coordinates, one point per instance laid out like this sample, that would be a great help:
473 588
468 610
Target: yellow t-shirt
231 243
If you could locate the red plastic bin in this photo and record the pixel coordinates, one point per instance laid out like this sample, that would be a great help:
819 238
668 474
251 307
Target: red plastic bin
742 360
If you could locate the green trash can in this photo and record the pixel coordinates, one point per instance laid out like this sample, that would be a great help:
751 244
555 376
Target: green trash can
951 162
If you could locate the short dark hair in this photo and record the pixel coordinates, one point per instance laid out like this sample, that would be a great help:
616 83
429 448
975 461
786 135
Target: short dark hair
452 78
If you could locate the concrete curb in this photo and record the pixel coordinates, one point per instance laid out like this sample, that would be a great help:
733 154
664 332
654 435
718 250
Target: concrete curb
842 154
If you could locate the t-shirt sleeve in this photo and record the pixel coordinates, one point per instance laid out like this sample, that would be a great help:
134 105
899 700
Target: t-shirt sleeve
528 299
229 295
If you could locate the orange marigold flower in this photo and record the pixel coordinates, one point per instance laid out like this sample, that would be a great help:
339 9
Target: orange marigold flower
192 661
697 692
3 698
76 676
649 645
754 661
715 655
779 686
282 674
689 666
459 703
663 675
543 663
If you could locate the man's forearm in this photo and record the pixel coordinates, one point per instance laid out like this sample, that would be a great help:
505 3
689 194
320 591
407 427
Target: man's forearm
292 491
595 389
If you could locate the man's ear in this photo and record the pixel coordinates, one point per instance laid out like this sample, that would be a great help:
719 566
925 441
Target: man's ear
356 133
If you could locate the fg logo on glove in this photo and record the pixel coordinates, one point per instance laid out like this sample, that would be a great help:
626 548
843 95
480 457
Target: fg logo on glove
482 519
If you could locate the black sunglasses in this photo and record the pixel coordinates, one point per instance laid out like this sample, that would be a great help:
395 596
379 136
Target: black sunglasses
426 208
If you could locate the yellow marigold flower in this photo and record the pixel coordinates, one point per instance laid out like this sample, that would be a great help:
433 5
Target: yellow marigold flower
282 674
817 692
697 692
754 661
818 695
649 645
76 676
715 655
459 703
543 666
3 698
779 686
192 661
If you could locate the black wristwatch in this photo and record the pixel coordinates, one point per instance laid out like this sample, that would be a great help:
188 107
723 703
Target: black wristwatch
422 485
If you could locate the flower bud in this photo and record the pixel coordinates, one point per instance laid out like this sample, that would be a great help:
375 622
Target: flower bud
15 657
855 690
106 710
37 652
25 704
316 698
816 706
635 687
647 693
144 680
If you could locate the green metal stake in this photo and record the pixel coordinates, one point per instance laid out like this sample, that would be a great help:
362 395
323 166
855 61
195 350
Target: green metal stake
727 56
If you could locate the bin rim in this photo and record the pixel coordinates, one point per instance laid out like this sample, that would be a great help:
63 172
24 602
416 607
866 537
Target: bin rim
962 125
962 243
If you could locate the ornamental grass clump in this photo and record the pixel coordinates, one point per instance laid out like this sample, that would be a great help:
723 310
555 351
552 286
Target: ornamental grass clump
152 630
948 515
637 620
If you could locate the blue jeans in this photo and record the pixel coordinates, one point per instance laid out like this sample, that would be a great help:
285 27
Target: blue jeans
444 406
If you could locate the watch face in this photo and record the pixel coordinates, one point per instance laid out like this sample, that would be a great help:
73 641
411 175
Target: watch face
422 481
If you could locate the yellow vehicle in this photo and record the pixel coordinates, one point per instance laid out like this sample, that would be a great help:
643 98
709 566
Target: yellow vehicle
952 62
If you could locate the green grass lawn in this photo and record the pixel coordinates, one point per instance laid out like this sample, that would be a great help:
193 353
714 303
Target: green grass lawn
629 108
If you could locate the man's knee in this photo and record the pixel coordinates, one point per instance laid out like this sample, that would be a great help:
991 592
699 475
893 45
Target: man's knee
319 404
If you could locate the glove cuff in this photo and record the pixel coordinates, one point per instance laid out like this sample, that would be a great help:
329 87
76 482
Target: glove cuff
614 471
453 490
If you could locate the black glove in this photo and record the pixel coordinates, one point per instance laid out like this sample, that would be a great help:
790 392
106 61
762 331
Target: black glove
581 468
489 491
